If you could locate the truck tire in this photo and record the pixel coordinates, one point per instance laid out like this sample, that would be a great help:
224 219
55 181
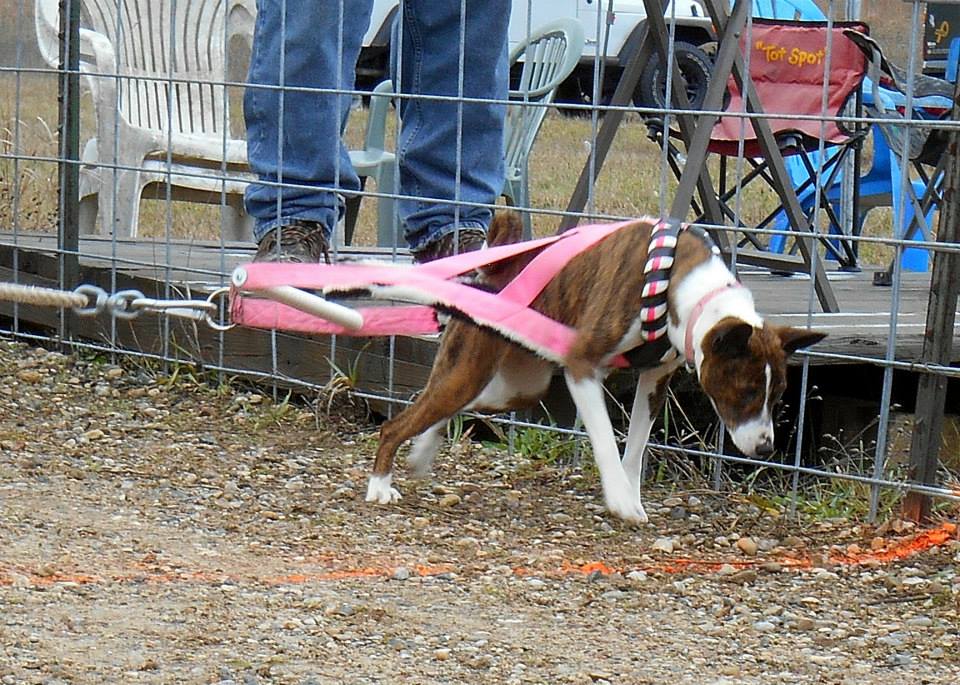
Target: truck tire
695 65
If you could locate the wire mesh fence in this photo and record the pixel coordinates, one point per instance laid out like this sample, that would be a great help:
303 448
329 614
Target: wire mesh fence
126 163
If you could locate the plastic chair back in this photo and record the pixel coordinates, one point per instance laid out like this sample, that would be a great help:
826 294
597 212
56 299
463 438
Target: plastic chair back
548 58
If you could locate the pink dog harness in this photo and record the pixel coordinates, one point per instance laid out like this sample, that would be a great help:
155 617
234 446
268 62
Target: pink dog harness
439 285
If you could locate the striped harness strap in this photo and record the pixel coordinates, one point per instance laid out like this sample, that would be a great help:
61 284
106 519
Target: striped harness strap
656 282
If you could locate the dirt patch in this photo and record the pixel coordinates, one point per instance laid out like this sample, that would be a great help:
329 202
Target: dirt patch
164 532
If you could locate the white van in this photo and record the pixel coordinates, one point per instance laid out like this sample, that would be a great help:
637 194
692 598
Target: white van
617 40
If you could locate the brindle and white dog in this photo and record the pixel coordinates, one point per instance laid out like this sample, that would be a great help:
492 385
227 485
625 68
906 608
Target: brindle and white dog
739 359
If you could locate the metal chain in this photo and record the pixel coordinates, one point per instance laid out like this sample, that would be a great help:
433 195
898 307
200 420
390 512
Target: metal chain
91 300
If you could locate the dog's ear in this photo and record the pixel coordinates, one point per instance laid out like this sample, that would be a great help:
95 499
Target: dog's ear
730 336
794 339
505 229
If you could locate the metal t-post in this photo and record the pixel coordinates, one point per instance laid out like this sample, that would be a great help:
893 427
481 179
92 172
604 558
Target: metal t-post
938 335
68 227
849 185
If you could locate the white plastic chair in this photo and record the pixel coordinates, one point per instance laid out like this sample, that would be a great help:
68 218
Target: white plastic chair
548 57
161 118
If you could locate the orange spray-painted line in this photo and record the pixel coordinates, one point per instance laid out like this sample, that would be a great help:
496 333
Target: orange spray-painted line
900 549
17 575
920 542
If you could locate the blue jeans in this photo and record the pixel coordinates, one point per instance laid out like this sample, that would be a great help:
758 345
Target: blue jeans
448 152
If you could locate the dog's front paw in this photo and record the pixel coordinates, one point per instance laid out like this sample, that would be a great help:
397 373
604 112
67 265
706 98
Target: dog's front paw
624 505
379 490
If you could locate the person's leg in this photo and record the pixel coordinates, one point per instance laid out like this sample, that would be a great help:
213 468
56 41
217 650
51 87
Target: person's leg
450 150
315 45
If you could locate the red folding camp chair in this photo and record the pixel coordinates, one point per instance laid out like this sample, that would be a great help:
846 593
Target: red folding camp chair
806 76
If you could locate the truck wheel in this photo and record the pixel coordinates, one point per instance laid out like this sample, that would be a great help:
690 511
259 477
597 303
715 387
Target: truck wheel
695 66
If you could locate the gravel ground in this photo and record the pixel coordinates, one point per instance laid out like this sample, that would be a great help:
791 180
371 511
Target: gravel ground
158 532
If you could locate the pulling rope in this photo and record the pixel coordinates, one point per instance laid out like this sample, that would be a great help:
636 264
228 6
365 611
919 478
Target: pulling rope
91 300
44 297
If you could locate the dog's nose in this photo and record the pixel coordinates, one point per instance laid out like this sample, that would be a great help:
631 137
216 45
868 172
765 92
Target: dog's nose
765 448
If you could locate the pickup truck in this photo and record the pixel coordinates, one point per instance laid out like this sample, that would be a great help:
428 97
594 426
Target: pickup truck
614 35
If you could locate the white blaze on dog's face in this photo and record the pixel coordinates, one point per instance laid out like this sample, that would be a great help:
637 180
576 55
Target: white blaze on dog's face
744 373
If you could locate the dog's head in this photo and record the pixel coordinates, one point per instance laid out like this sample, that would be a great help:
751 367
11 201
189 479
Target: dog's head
744 373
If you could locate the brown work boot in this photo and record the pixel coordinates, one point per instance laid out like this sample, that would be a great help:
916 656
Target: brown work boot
455 242
301 242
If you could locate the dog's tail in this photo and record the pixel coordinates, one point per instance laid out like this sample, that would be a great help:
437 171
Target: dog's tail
505 229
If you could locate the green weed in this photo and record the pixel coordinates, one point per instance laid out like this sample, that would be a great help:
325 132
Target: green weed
275 413
340 387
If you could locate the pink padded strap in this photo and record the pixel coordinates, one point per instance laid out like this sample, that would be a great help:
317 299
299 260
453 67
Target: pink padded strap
431 285
377 321
516 321
448 267
545 266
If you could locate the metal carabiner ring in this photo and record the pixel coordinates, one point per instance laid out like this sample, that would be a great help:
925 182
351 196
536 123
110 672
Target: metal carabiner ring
120 304
208 318
96 300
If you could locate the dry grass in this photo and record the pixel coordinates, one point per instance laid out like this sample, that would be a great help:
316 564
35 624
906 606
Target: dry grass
28 186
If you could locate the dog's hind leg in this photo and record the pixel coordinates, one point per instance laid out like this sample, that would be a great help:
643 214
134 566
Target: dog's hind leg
651 392
424 450
462 368
621 498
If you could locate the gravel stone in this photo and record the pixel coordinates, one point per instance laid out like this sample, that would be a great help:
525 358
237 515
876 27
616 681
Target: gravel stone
449 501
679 513
665 545
747 546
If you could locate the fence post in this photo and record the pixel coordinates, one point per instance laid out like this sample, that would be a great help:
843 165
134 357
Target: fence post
938 335
68 94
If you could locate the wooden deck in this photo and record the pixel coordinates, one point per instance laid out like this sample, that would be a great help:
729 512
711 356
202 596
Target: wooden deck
860 329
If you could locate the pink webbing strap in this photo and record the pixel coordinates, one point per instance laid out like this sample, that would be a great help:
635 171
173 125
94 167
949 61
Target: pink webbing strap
448 267
688 351
545 266
514 320
428 284
415 319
